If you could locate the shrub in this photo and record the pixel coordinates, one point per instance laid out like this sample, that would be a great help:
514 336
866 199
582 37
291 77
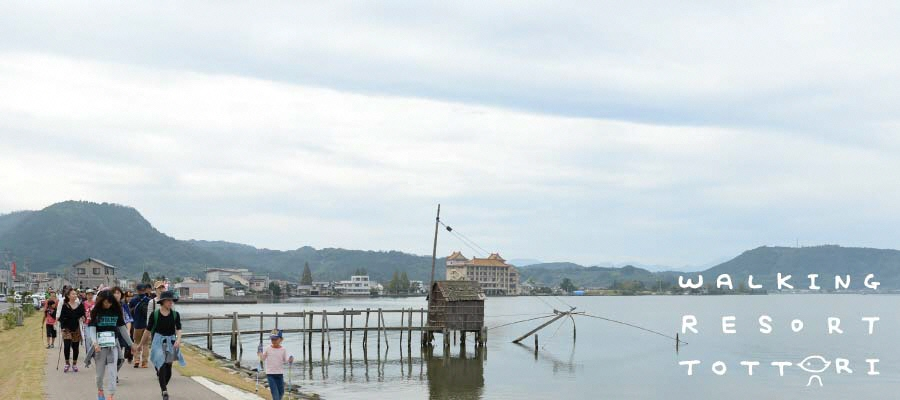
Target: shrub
9 319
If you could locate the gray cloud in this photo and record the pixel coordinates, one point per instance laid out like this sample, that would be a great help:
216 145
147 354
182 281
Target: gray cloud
648 132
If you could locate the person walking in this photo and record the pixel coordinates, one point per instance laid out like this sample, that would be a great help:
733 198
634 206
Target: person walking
70 318
274 357
159 287
88 305
107 324
119 294
139 306
165 331
50 320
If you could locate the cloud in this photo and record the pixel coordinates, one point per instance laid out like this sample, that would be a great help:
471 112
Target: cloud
216 156
658 133
822 69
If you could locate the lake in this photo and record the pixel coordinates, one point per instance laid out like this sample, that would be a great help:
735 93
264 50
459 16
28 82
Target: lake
608 360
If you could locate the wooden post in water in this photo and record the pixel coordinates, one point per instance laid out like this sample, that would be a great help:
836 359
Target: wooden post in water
366 331
260 327
384 329
310 333
276 320
233 345
422 325
351 333
327 332
535 346
344 331
409 331
209 328
323 335
401 331
378 317
240 346
303 332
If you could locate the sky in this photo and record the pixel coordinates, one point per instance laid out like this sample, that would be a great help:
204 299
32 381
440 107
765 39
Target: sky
675 134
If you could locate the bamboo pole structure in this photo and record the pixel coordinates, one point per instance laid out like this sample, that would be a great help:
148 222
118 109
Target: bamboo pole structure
542 326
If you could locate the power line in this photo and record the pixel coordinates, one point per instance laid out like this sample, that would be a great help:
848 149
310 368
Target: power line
634 326
524 320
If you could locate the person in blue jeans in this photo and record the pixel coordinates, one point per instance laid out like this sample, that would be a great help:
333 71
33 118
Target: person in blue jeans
274 357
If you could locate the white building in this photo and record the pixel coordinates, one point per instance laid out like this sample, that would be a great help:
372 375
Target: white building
358 285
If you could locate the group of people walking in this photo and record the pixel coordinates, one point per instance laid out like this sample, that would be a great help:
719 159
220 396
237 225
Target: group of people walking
115 327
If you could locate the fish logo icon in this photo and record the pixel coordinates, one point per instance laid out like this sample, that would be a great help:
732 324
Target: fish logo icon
814 365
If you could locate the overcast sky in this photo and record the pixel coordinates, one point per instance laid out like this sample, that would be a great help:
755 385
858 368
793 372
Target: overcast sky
655 132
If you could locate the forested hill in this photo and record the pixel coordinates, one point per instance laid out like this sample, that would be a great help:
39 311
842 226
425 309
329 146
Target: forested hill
764 263
64 233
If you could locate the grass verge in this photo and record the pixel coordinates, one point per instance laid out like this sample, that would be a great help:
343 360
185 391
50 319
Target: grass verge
23 356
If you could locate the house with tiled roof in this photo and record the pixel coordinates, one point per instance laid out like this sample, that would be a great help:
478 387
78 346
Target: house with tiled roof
493 273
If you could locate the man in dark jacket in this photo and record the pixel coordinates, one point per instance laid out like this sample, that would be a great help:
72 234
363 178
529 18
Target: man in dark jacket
138 307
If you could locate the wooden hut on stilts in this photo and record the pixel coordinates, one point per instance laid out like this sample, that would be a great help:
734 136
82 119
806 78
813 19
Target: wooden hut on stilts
457 307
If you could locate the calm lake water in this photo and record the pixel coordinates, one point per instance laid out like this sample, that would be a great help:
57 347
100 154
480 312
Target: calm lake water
607 360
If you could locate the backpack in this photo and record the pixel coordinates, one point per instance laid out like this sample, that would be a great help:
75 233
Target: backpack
140 309
155 317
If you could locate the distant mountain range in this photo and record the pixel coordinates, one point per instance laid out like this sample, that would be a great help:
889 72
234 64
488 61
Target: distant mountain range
61 234
64 233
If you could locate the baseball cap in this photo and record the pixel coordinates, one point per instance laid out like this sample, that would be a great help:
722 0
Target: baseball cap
276 334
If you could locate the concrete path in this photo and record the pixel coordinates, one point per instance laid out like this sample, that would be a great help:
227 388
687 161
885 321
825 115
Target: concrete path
134 383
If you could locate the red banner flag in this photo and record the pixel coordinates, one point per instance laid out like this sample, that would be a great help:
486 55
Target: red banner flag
13 269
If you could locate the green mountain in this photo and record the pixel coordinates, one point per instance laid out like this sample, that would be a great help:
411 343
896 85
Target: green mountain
551 274
59 235
64 233
764 263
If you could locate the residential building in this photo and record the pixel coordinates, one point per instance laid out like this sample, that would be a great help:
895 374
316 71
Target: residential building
91 273
191 289
259 283
493 273
322 289
358 285
218 274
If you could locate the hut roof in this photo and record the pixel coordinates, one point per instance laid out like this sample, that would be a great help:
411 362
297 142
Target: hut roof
460 290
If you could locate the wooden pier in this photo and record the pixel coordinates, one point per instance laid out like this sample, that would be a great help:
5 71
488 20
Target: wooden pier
370 322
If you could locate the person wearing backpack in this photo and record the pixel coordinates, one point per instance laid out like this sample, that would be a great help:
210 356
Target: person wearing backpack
165 331
139 306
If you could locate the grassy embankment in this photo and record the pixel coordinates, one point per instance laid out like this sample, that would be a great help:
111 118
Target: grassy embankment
198 364
23 355
201 364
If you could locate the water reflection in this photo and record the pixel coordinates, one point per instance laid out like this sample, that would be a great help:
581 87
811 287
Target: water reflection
460 377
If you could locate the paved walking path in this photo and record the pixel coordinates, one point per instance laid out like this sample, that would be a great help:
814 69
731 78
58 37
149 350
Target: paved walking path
134 383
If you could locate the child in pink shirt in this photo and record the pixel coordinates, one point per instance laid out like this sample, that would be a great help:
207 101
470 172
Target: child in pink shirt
274 357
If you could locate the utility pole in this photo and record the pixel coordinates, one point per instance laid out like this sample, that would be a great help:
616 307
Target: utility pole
437 221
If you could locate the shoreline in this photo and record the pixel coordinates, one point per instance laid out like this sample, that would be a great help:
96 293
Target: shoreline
207 364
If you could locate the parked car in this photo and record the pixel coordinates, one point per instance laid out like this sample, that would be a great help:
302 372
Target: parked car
2 298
